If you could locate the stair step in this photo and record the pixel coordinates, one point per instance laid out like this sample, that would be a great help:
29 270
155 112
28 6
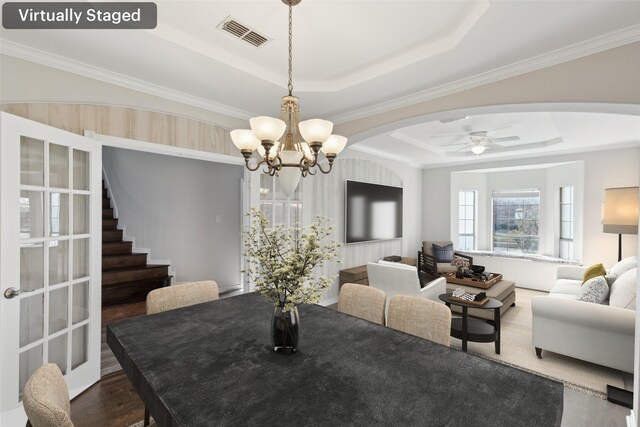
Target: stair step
107 213
117 248
111 236
132 291
119 276
106 203
121 261
109 223
104 192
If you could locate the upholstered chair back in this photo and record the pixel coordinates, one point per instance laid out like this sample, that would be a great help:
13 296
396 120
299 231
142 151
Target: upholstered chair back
46 398
420 317
178 296
362 301
427 245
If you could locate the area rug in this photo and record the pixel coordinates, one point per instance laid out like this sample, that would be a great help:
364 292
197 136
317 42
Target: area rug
517 350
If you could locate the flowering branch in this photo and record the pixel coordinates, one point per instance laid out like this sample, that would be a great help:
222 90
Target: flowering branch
282 259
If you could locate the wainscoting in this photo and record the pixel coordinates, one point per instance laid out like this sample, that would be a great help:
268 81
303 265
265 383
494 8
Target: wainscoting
538 275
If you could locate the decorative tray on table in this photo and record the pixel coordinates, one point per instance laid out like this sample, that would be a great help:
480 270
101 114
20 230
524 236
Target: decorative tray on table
461 295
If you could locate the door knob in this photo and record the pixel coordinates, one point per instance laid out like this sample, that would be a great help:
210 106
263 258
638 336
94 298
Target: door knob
13 292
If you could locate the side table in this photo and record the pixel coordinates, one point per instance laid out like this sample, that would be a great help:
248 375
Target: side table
475 330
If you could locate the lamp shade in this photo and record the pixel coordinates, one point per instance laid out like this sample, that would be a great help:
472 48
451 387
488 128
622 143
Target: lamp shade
477 149
620 210
267 128
315 130
334 144
244 139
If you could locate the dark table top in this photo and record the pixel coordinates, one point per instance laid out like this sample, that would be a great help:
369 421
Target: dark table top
212 364
492 303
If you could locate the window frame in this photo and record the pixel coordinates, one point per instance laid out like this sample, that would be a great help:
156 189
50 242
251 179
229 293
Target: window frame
474 234
571 223
273 202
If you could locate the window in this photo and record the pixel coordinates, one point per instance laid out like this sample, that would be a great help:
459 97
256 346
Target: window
566 223
515 221
275 205
466 220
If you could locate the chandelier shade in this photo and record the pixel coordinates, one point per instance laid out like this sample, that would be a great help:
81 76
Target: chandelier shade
478 149
288 147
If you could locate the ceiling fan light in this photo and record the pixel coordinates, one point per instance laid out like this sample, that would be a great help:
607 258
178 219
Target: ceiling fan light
334 144
315 130
244 139
477 149
267 128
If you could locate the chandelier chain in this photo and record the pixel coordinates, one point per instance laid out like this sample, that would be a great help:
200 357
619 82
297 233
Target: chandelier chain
290 85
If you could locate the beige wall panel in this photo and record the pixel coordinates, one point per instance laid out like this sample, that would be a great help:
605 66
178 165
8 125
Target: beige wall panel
119 122
194 135
39 113
165 129
95 118
16 109
182 132
144 125
66 117
207 138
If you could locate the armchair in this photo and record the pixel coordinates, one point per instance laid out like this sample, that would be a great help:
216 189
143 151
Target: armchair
430 264
400 279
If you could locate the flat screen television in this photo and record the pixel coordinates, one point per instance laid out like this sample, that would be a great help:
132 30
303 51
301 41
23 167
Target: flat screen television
372 212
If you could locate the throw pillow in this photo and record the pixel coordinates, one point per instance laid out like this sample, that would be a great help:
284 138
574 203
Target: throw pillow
594 290
610 278
443 253
623 291
593 271
624 265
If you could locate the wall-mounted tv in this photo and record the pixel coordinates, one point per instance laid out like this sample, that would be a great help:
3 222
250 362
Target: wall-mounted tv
372 212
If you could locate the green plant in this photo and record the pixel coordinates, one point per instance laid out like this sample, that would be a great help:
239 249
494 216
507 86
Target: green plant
282 259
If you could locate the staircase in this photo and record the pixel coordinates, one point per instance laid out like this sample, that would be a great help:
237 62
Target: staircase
126 276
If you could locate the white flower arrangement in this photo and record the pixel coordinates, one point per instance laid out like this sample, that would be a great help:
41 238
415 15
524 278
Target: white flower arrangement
282 260
460 262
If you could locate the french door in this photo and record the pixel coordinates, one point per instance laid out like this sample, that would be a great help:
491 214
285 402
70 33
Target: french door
50 280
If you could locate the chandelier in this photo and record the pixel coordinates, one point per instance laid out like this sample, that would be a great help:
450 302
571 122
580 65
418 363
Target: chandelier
295 154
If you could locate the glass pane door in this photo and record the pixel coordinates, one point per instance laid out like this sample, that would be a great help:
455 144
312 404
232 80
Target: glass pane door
55 247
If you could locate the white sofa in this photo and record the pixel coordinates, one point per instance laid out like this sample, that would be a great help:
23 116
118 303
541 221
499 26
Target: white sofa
395 278
599 333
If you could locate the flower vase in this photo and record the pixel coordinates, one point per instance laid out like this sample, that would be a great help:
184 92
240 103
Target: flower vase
284 330
459 273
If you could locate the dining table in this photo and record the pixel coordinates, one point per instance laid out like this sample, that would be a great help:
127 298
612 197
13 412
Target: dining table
213 364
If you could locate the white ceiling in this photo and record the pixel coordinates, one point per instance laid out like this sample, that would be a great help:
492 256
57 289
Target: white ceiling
350 57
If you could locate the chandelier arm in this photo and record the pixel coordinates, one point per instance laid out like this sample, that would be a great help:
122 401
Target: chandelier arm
319 166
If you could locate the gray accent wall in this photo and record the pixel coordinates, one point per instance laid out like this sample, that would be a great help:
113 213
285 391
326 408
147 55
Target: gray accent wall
170 205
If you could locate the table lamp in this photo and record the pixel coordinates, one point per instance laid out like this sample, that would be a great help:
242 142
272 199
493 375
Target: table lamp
620 213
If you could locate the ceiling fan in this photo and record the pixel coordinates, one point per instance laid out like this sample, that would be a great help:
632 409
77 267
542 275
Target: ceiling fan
478 141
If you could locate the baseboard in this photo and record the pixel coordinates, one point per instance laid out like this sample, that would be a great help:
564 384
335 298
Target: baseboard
631 419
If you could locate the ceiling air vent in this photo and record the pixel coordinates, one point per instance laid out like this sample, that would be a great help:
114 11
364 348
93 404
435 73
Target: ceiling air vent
243 32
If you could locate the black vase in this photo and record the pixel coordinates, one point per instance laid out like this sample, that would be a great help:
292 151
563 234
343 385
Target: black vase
460 273
284 330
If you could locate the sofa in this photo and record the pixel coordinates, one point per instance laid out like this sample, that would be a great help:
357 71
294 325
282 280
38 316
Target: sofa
395 278
599 333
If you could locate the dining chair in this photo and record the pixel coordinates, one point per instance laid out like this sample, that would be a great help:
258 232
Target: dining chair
46 398
362 301
420 317
178 296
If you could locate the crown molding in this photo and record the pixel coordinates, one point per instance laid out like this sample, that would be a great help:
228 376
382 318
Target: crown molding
384 155
588 47
38 56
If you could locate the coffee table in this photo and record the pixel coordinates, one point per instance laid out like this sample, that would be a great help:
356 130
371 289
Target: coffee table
475 330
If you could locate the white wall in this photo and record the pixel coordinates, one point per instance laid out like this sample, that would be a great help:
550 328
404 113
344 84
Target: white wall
602 169
324 195
169 205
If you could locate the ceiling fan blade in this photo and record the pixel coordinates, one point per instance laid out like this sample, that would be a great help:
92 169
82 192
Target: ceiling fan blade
455 143
461 149
505 139
451 135
498 128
